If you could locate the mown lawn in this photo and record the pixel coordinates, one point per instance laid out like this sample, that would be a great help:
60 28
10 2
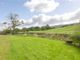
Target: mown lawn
35 48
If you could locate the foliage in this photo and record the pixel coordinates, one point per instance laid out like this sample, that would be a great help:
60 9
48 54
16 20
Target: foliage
13 22
6 31
70 29
76 36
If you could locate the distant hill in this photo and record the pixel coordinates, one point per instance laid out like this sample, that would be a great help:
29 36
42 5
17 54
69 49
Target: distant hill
70 29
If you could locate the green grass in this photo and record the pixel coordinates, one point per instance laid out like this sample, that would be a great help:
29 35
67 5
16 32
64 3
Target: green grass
62 30
35 48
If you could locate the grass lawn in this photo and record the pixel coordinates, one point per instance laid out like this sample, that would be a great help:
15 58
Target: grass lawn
35 48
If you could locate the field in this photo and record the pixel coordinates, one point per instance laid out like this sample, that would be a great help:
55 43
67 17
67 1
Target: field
35 48
62 30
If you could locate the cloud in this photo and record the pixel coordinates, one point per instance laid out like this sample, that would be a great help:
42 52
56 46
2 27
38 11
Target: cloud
1 27
43 19
72 0
41 6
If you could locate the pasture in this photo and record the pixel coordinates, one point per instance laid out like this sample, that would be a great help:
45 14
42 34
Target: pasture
61 30
16 47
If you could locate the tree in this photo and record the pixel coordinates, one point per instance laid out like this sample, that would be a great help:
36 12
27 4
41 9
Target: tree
25 30
14 22
46 27
37 28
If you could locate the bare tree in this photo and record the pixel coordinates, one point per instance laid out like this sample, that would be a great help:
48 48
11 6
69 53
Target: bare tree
14 22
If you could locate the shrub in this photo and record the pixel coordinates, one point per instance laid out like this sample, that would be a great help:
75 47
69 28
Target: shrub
76 39
69 42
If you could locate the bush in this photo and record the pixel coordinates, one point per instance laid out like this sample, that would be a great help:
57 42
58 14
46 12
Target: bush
69 42
76 39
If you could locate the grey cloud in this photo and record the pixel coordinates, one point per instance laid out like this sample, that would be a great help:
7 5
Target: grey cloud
77 16
41 19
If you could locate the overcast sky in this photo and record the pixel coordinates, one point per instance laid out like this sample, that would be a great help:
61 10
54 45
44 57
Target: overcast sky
42 12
